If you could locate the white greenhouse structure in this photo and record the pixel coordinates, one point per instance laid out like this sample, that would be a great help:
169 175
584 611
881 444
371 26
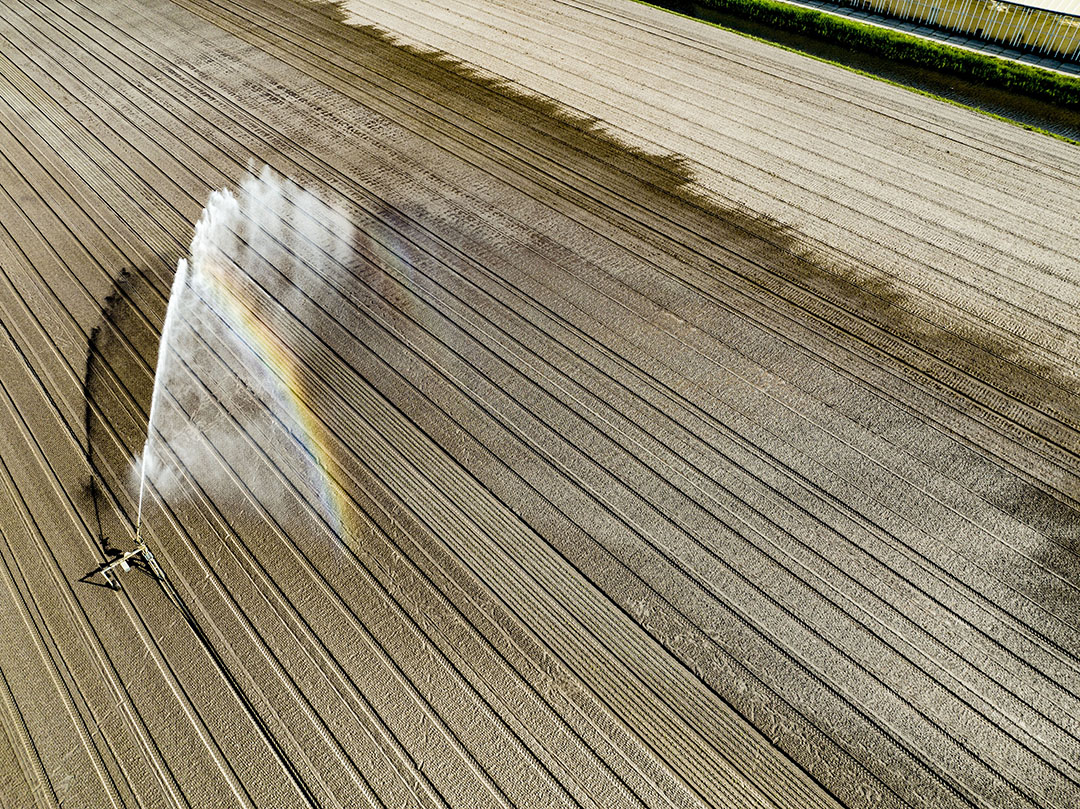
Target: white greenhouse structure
1047 27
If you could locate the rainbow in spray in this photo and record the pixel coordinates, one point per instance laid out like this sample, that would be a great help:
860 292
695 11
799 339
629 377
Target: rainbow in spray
250 257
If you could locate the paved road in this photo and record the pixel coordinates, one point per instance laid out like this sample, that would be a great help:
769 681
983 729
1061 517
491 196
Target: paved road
625 414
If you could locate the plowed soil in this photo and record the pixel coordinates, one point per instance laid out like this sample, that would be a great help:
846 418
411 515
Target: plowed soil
703 421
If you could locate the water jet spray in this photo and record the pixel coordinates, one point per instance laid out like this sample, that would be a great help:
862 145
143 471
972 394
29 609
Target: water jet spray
175 296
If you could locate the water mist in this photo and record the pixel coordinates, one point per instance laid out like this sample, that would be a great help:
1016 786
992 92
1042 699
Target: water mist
231 378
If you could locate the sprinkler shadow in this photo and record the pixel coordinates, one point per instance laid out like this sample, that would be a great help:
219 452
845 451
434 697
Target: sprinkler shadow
93 487
113 416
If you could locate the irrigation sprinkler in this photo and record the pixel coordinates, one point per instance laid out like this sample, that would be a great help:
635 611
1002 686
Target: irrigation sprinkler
123 563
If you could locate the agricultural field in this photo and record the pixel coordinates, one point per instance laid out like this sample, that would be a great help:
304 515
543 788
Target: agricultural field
560 404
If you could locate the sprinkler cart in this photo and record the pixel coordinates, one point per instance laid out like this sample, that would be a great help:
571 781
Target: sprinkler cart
124 563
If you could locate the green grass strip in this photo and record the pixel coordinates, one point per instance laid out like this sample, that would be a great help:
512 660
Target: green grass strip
1017 77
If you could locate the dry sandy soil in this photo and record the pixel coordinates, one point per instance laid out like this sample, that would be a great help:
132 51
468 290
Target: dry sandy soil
669 420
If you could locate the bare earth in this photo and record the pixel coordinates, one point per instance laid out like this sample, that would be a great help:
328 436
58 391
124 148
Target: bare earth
702 421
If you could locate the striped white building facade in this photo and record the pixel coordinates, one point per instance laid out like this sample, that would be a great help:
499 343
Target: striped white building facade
1048 27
